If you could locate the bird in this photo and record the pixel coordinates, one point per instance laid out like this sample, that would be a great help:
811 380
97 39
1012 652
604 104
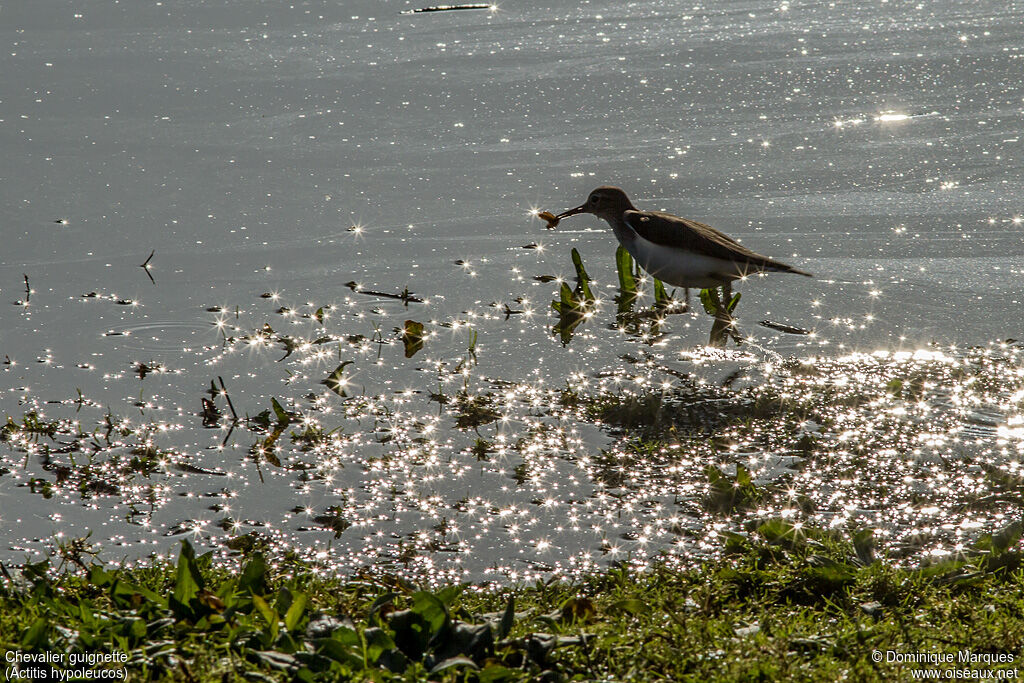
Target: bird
675 250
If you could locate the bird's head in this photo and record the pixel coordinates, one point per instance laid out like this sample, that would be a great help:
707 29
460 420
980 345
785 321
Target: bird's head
605 202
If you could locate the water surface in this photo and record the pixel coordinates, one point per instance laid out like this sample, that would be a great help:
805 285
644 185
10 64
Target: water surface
288 150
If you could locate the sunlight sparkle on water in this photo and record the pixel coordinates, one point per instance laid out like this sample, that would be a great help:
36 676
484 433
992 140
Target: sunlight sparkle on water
890 117
386 471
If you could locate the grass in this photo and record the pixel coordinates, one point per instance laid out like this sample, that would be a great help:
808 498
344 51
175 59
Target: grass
782 603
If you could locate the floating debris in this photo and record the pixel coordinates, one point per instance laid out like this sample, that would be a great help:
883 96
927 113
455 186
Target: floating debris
143 369
412 337
782 327
146 267
450 8
509 311
335 381
211 414
404 296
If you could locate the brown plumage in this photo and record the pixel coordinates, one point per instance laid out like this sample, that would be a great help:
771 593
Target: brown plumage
676 250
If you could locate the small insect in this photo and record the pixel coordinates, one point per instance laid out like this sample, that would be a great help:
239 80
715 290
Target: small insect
550 218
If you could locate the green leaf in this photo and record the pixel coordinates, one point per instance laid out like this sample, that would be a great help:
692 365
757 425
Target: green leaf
36 635
187 580
508 618
577 262
125 594
775 530
412 337
431 609
733 303
719 335
336 650
254 576
661 297
277 660
449 594
728 494
98 576
496 673
864 545
1001 540
269 615
707 299
453 662
630 606
282 415
294 614
1007 536
382 651
382 600
743 475
624 268
735 544
569 302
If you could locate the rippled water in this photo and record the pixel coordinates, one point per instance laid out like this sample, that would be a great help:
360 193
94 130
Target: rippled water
876 145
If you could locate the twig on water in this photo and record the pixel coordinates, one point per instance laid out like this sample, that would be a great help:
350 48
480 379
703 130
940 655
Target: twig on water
230 404
449 8
146 267
405 296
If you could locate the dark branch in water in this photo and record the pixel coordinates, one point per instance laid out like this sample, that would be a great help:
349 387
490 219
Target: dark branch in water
230 404
404 296
448 8
788 329
28 289
145 266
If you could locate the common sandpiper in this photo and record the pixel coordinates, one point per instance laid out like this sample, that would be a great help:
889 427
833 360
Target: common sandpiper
675 250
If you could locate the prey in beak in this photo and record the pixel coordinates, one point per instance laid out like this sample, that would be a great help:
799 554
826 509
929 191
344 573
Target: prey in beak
552 220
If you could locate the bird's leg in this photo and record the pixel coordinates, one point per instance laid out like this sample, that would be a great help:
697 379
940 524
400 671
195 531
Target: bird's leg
716 299
727 293
686 303
723 304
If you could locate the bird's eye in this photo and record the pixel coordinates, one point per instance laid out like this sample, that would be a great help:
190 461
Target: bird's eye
593 198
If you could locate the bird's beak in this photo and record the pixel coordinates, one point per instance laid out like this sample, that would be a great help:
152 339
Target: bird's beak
582 208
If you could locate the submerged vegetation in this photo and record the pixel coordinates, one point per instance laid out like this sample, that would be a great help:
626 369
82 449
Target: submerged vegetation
711 512
463 474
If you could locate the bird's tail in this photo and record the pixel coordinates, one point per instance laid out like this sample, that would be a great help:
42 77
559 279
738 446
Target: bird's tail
778 267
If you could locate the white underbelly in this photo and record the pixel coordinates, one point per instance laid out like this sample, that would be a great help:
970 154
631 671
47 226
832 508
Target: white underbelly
679 267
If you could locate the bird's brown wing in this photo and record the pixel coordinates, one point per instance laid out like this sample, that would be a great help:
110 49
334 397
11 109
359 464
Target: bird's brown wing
682 233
